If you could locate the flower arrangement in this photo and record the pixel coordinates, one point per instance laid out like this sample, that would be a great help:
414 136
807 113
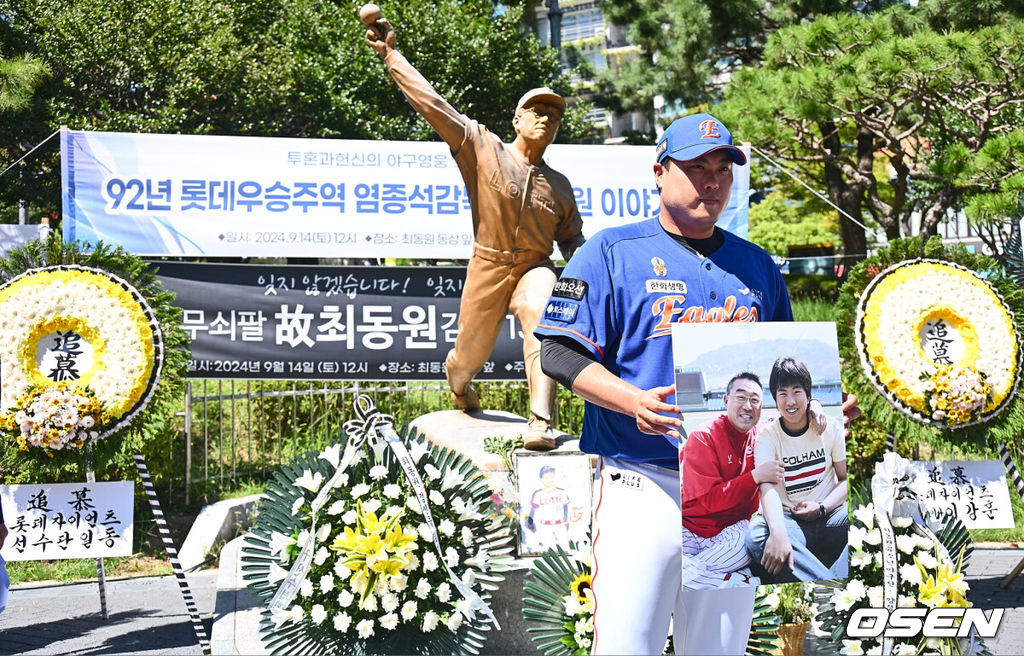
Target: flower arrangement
929 572
930 343
956 395
558 601
54 417
76 325
85 330
790 601
377 583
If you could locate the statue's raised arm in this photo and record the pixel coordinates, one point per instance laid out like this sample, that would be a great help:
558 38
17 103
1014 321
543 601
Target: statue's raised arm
520 207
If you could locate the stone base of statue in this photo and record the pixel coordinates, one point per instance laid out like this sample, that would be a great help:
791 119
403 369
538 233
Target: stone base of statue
465 432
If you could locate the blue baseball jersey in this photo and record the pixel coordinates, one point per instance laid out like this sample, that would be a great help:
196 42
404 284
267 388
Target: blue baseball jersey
619 296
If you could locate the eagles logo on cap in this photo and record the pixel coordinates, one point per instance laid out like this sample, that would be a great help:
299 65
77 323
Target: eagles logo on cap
694 136
659 266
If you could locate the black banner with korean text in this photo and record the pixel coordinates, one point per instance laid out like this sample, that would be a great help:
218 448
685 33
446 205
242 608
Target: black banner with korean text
327 323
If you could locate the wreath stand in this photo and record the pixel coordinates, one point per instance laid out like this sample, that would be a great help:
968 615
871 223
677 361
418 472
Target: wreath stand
172 555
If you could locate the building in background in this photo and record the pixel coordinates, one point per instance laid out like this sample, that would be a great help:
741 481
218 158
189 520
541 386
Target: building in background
603 45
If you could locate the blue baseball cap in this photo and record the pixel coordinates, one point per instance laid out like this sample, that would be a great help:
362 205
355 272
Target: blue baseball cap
695 135
546 469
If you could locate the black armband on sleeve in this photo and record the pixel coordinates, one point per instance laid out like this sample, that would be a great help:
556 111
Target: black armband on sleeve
563 358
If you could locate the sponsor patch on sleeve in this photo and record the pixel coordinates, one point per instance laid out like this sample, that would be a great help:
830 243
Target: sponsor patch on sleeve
564 311
570 288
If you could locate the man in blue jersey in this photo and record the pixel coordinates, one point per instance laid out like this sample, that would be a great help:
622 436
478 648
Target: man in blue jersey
606 336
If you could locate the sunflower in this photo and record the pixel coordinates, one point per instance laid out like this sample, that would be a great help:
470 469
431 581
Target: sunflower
581 585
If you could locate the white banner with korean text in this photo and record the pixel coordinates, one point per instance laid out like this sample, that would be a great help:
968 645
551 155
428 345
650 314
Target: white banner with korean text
975 491
68 520
189 195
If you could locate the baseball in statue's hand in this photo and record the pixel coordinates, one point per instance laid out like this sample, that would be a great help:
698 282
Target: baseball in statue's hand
369 14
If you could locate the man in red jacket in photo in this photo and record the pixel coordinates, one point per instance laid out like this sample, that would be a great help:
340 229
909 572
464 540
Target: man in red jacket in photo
720 489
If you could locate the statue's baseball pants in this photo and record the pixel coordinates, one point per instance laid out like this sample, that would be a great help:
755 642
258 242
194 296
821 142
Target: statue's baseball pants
498 282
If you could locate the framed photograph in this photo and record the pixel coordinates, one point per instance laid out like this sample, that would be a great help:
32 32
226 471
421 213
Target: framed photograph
554 491
762 416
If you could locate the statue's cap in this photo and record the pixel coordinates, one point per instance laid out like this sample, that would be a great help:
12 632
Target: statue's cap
541 94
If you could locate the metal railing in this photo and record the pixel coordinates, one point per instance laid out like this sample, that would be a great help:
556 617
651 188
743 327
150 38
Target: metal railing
241 430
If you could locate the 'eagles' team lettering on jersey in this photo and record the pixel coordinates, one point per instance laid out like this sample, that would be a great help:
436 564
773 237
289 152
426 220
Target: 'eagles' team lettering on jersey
639 281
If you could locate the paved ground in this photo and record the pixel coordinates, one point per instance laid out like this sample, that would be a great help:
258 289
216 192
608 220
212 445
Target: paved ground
147 615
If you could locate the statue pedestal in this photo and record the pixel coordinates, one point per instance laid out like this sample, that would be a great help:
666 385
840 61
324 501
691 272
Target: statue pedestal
465 432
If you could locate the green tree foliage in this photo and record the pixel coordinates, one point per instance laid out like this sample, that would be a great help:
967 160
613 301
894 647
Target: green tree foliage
297 68
777 223
691 46
844 91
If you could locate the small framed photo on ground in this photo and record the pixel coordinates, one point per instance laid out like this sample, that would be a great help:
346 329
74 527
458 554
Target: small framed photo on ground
554 491
763 447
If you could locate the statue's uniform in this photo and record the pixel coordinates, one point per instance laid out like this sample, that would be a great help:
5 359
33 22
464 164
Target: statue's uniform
518 210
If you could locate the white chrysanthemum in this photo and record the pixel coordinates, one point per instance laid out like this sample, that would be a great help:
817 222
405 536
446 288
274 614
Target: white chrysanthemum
372 506
902 522
468 578
398 582
318 614
321 555
341 622
358 490
345 598
910 574
306 588
447 527
378 472
444 592
927 559
365 629
323 533
389 621
432 472
326 583
350 517
852 648
451 557
422 589
430 621
436 498
454 621
392 491
906 543
389 602
876 596
413 504
342 570
873 537
371 603
336 508
467 537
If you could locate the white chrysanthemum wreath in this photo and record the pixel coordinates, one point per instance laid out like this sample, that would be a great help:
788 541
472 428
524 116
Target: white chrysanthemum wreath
80 356
380 573
939 342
